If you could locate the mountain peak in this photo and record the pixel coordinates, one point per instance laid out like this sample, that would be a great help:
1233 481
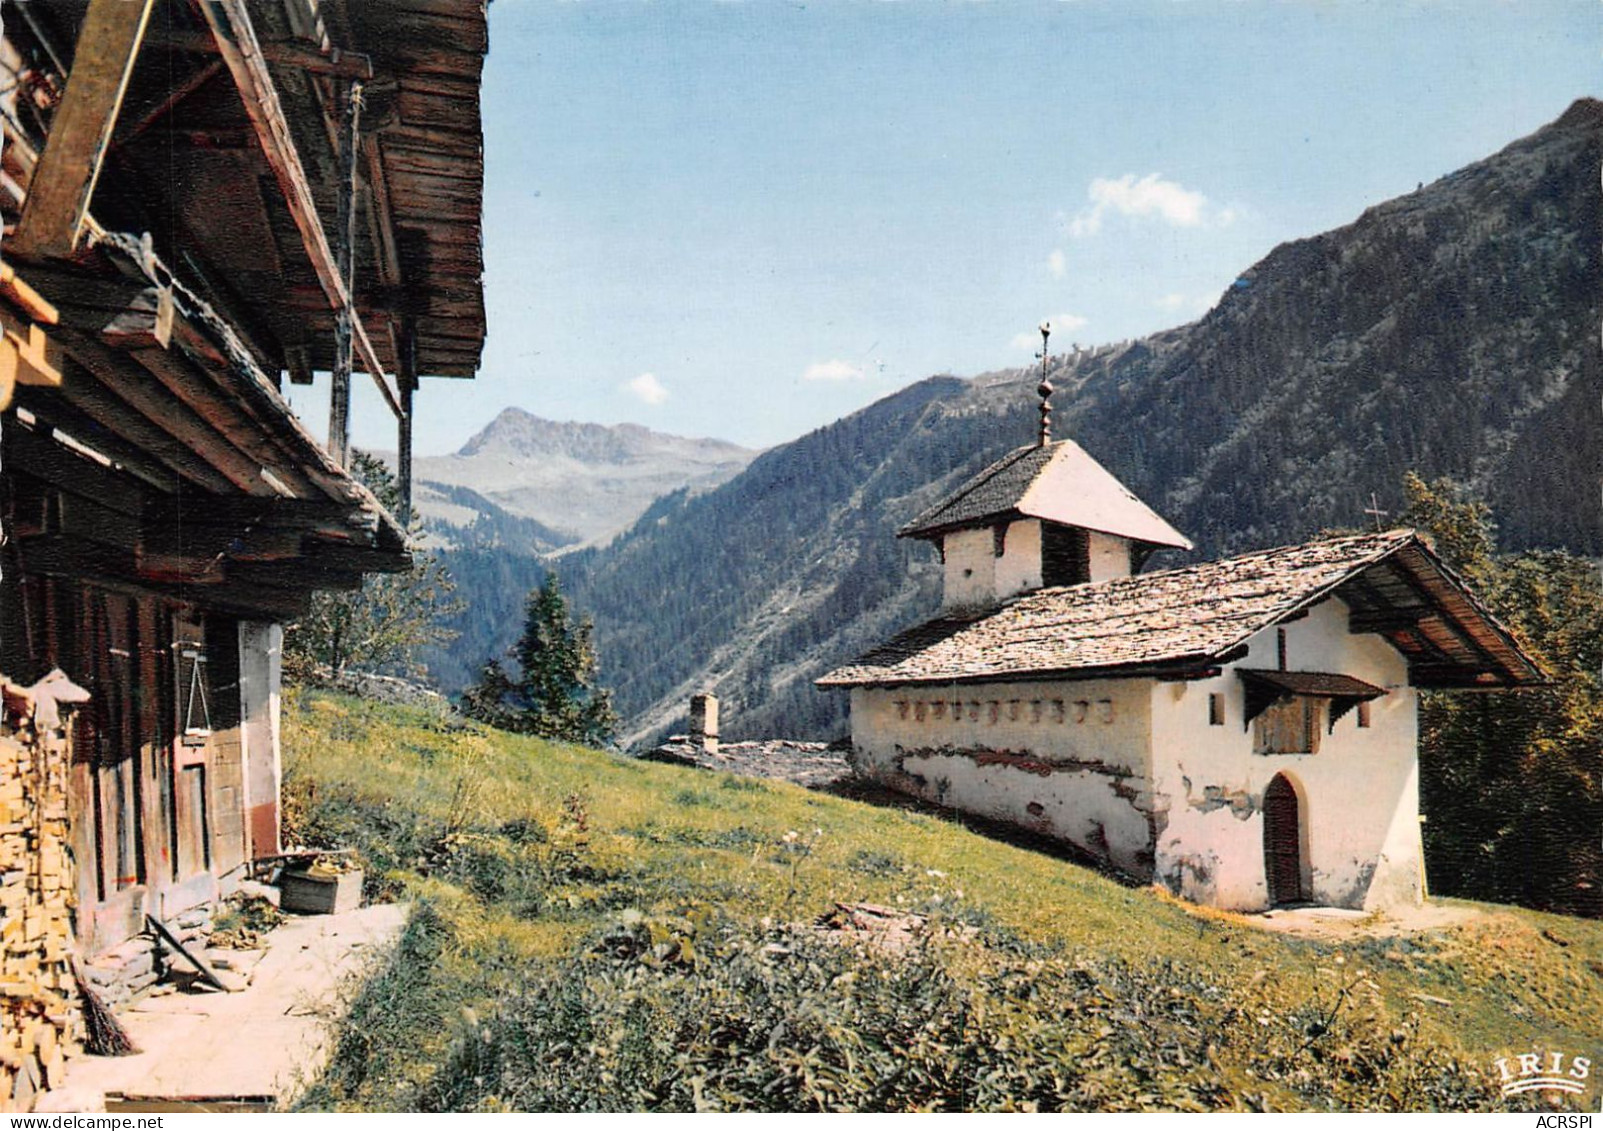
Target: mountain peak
1583 114
516 432
580 481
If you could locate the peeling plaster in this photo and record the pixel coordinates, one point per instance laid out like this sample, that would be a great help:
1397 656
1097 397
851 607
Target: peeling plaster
1239 802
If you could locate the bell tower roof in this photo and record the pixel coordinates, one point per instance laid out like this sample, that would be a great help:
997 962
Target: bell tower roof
1056 482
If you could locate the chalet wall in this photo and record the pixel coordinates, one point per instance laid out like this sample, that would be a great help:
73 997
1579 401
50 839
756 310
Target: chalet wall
1019 567
1358 792
38 1028
1065 759
261 653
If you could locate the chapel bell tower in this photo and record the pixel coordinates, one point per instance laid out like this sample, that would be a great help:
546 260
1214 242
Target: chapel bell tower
1044 515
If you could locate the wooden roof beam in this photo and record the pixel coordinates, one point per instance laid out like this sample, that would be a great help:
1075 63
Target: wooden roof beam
151 400
340 64
242 54
142 329
1448 623
32 443
168 102
225 415
93 401
64 182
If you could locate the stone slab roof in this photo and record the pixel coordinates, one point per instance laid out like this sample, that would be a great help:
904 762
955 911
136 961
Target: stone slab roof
1190 618
1060 483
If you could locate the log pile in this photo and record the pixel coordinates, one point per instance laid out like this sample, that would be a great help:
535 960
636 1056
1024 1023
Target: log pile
38 1007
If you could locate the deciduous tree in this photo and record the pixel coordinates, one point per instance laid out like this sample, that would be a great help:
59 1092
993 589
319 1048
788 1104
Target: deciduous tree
1512 782
381 626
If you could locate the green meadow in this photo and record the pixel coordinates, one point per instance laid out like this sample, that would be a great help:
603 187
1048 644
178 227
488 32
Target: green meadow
589 932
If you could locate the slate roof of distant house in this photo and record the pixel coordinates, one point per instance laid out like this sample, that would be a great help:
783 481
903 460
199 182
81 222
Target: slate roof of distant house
1192 618
1058 482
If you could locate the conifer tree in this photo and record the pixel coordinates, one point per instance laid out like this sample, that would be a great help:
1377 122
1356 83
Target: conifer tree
554 693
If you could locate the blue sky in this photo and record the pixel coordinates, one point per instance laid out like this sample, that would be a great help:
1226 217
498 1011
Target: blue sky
746 219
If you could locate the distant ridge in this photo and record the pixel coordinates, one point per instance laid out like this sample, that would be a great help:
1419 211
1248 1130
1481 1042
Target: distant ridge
579 482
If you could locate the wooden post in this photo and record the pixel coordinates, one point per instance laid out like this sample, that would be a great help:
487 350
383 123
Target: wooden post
406 379
339 407
64 180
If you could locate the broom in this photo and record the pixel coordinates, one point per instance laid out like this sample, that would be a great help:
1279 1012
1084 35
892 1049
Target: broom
103 1033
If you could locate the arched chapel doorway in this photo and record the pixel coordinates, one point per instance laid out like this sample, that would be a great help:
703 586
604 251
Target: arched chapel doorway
1282 843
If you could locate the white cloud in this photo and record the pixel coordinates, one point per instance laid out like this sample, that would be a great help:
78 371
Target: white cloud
648 388
1056 264
1061 324
1148 196
834 370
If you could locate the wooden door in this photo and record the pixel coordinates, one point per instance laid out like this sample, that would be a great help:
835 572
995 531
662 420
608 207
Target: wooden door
1282 843
192 731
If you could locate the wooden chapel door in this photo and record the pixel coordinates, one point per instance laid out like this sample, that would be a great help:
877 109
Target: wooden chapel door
1282 843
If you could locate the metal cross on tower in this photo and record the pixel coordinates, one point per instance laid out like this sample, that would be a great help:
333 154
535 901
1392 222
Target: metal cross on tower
1373 510
1045 389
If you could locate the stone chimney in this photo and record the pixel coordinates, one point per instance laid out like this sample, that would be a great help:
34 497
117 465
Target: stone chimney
704 721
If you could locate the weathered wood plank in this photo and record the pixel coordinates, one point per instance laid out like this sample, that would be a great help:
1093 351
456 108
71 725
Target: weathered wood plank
165 105
64 181
156 404
118 417
147 323
340 64
50 413
226 415
467 143
413 162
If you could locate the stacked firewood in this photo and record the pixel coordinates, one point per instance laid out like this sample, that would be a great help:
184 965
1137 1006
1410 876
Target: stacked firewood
38 1011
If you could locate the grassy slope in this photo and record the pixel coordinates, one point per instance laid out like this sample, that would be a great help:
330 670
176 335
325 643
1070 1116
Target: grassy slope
595 932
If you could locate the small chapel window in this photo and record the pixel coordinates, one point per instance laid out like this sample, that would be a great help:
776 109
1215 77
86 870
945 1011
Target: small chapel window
1288 726
1065 555
1216 710
1363 714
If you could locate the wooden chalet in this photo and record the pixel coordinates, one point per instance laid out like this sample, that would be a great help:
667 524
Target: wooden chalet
203 199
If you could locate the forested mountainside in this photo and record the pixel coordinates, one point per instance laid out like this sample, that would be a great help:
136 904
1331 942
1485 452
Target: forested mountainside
1451 331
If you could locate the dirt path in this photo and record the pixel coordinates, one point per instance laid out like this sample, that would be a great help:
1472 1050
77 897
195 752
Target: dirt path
257 1045
1337 923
